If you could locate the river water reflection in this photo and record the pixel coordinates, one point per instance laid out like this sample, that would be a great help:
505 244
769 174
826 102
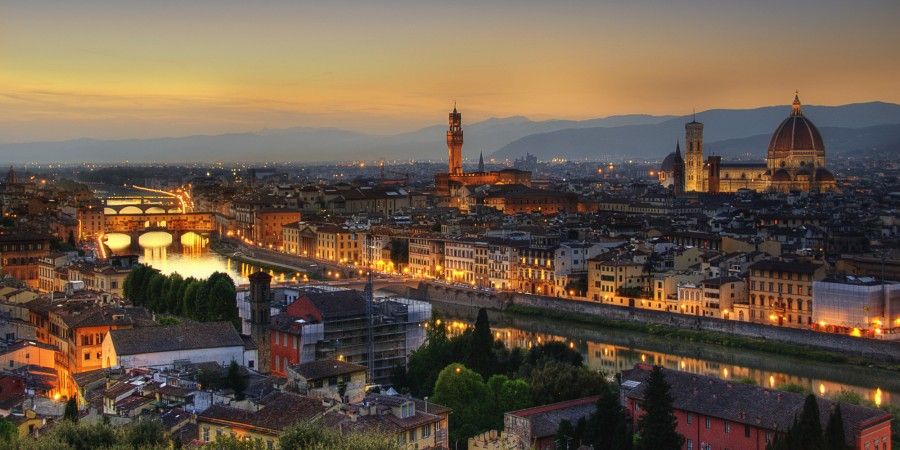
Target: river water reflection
189 255
615 350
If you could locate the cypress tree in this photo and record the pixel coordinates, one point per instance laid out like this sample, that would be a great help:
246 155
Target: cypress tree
71 411
481 352
835 439
809 428
657 425
608 428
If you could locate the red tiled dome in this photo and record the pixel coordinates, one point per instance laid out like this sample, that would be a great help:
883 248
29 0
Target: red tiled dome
822 174
796 133
781 175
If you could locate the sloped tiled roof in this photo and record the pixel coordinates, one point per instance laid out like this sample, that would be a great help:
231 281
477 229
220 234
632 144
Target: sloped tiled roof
185 336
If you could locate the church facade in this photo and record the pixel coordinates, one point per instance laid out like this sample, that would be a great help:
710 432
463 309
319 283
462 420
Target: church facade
795 161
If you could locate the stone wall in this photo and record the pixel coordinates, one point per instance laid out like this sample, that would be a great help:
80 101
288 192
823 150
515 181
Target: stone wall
870 348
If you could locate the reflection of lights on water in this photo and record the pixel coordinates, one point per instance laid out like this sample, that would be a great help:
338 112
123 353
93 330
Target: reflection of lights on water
155 239
821 388
191 258
877 398
771 381
118 242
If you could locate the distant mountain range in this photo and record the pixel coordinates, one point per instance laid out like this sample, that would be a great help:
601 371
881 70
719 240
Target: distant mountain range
729 132
867 127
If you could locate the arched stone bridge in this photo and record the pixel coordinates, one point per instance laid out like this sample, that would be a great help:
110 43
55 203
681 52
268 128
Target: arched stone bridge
140 205
172 222
399 287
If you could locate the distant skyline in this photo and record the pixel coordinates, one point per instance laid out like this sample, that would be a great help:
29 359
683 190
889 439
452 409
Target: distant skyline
133 69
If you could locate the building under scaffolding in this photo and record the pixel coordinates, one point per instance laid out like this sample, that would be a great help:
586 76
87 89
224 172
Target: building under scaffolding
323 324
861 306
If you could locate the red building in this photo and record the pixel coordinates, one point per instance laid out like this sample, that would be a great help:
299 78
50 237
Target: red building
715 414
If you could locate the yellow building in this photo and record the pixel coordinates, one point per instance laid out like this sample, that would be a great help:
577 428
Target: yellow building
610 280
780 292
339 244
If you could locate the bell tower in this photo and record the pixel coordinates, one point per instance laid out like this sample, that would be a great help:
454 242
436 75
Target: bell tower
260 311
694 175
455 143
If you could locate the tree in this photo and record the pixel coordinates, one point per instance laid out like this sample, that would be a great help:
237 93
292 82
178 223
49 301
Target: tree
809 428
8 432
71 411
555 382
553 351
426 363
565 436
464 391
507 395
658 424
201 305
314 435
190 297
136 283
155 291
608 426
145 433
236 380
173 301
835 439
77 436
481 351
222 299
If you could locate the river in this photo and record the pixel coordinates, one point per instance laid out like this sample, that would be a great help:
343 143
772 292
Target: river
190 256
609 350
613 350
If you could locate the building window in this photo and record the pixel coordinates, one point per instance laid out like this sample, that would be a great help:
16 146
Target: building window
690 444
206 434
690 418
707 423
727 427
746 431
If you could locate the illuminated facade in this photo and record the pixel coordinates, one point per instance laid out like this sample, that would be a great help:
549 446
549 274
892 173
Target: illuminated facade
795 160
455 174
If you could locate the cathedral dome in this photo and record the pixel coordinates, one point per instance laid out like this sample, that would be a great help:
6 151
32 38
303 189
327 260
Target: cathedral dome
668 164
781 175
823 174
796 134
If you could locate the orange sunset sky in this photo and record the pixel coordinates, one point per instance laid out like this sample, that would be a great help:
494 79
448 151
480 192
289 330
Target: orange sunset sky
122 69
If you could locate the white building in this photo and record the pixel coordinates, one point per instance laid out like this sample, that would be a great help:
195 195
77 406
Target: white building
166 346
857 305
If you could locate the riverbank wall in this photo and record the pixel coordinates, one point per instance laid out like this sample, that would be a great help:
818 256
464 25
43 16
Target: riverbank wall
459 297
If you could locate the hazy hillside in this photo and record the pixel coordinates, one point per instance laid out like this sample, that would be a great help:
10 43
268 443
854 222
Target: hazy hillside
879 139
302 143
640 136
656 140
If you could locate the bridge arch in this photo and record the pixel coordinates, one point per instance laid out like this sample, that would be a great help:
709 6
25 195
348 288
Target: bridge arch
131 209
154 210
155 239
